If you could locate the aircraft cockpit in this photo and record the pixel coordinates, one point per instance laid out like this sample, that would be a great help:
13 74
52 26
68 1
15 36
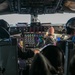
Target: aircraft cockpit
29 35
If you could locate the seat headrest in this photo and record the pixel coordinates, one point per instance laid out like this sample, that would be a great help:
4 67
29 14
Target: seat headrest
4 33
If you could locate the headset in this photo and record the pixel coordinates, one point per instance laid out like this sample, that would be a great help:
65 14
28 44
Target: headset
70 25
4 24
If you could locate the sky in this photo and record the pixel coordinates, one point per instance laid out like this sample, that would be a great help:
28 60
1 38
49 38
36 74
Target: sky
44 18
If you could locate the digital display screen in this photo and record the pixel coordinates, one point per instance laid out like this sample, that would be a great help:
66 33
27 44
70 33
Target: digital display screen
21 24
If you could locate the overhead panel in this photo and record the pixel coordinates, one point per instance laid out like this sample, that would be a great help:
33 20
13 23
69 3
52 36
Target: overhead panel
39 6
36 6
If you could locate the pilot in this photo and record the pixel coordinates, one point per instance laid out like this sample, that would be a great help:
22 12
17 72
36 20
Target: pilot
49 38
4 34
70 31
70 28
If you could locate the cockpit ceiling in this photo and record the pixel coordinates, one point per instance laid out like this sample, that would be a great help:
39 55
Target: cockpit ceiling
70 4
37 6
3 5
